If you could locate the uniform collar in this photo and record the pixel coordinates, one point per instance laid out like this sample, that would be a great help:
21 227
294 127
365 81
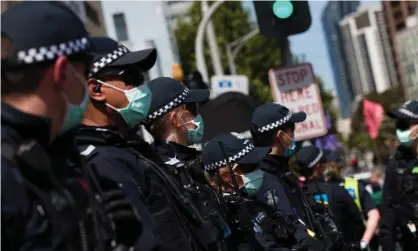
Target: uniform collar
26 125
274 163
171 149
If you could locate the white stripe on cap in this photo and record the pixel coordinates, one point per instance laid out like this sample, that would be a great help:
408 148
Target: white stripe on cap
168 107
44 53
316 160
101 62
213 166
276 124
408 113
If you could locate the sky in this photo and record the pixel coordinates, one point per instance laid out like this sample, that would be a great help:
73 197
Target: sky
312 42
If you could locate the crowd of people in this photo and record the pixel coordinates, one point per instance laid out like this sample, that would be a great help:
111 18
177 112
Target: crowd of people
76 175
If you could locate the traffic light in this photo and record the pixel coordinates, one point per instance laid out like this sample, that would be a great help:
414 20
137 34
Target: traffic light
282 18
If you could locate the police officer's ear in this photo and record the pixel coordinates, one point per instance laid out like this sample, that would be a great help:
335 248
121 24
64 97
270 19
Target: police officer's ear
95 90
61 71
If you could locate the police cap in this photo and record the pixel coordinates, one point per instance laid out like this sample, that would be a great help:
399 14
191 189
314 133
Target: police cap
408 111
227 149
167 94
309 156
110 53
270 116
42 31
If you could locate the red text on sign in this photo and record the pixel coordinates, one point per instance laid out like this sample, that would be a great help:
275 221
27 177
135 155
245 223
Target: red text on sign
307 125
296 95
291 77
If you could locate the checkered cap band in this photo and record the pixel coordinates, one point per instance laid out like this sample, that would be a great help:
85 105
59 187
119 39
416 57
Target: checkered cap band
316 160
100 63
45 53
211 167
168 107
276 124
408 113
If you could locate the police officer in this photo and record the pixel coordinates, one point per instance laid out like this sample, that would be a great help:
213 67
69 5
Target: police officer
226 150
359 194
114 96
175 124
176 127
400 192
45 203
341 207
273 125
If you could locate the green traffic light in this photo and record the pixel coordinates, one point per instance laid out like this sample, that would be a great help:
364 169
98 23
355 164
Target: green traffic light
282 9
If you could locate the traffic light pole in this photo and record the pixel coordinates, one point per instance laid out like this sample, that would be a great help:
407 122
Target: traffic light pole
233 48
285 52
200 58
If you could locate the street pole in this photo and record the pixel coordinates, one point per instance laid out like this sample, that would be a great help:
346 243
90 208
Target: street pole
237 45
231 63
286 55
213 44
200 58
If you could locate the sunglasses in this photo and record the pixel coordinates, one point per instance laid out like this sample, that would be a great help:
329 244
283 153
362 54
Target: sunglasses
131 75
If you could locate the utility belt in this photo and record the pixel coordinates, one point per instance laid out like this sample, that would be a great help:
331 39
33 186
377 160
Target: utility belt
68 205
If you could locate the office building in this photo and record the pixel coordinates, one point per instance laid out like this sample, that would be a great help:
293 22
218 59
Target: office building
145 24
89 11
332 14
367 51
407 40
396 15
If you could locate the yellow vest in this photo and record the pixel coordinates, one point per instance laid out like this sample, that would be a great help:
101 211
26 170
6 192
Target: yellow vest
351 185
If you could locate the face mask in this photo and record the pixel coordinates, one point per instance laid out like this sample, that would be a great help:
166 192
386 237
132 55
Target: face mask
291 149
139 99
194 136
404 137
75 112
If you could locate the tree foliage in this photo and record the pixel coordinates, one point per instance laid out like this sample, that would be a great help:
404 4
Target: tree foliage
230 22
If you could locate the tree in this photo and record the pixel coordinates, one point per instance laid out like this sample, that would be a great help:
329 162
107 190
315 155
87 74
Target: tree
230 22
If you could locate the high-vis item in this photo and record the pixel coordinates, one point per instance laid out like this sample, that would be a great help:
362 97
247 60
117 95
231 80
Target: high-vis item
351 185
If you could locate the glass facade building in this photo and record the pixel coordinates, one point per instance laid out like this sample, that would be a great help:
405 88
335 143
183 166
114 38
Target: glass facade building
332 14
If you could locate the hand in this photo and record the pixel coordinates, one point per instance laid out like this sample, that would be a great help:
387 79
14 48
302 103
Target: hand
363 244
120 211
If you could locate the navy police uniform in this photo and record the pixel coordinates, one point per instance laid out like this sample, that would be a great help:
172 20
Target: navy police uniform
128 162
45 200
400 191
265 190
181 162
337 200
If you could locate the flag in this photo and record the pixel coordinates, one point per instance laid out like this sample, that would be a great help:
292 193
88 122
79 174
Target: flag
373 116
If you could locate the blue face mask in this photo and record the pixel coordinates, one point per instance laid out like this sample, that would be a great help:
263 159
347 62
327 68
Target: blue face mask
139 99
290 149
194 136
403 137
75 112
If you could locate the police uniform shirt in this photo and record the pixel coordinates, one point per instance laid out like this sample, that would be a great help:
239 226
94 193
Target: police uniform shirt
277 166
344 211
108 151
272 192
